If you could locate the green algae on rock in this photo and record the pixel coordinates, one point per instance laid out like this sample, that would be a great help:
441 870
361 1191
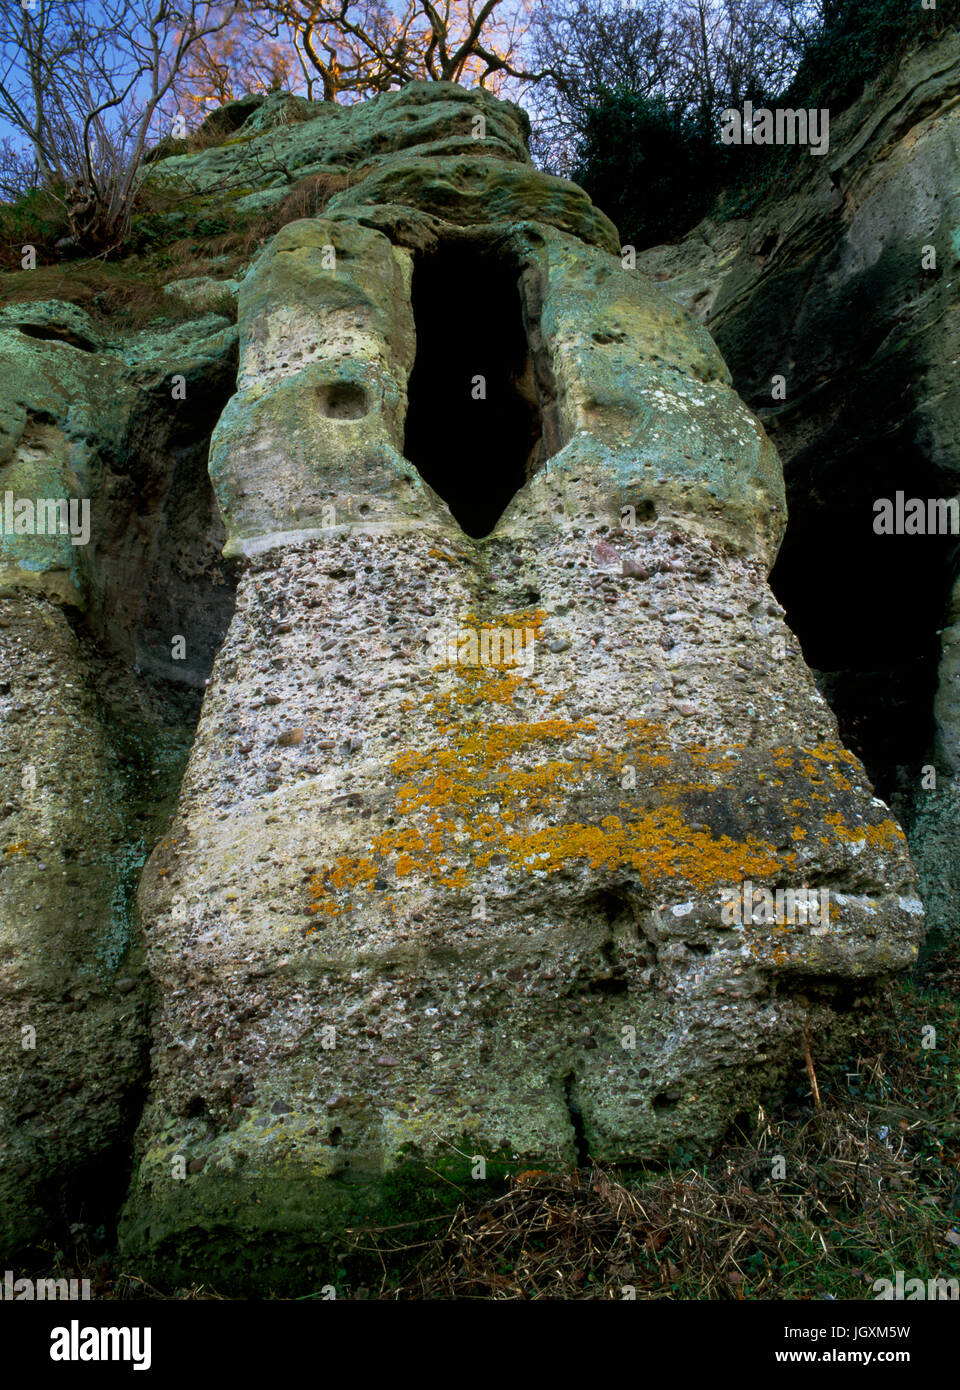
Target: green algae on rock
90 749
413 913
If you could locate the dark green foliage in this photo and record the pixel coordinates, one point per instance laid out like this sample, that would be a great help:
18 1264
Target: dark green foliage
855 41
36 219
210 226
651 168
656 170
152 230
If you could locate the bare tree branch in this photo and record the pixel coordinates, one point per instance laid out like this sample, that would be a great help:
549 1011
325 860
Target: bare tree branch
85 85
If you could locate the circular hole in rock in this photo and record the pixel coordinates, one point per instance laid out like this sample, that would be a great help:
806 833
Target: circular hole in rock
666 1100
343 400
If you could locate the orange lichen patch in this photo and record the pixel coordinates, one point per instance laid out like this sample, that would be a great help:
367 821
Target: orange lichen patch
494 804
527 620
486 787
805 762
657 759
716 760
457 880
488 668
490 746
480 685
409 843
345 873
521 619
832 753
327 907
818 766
885 836
647 728
658 844
18 847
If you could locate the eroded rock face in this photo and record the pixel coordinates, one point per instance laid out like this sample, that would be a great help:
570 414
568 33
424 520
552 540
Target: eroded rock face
73 1046
845 285
447 871
88 745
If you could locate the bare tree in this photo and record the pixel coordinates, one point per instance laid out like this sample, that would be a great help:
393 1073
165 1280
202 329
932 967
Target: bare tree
584 47
256 51
729 49
701 56
84 84
18 171
353 48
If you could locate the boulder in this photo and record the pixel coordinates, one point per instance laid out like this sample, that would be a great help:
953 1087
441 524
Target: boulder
506 723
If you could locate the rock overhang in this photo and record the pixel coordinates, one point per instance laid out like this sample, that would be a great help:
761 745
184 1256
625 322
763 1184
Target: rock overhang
499 888
615 366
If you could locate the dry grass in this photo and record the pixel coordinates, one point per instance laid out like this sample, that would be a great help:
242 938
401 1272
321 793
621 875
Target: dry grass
310 196
870 1184
116 300
728 1232
127 293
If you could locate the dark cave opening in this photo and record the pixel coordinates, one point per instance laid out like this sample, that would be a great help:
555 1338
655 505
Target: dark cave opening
473 426
867 607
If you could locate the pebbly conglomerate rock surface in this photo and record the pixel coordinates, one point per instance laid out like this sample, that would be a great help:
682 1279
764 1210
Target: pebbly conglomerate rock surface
419 907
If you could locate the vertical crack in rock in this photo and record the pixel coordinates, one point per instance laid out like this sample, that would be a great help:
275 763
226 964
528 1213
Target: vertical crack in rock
486 753
576 1120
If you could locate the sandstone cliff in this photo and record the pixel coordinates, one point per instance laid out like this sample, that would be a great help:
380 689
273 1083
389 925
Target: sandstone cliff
846 284
504 709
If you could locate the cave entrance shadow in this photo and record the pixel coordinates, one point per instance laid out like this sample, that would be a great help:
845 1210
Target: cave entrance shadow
868 608
473 427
